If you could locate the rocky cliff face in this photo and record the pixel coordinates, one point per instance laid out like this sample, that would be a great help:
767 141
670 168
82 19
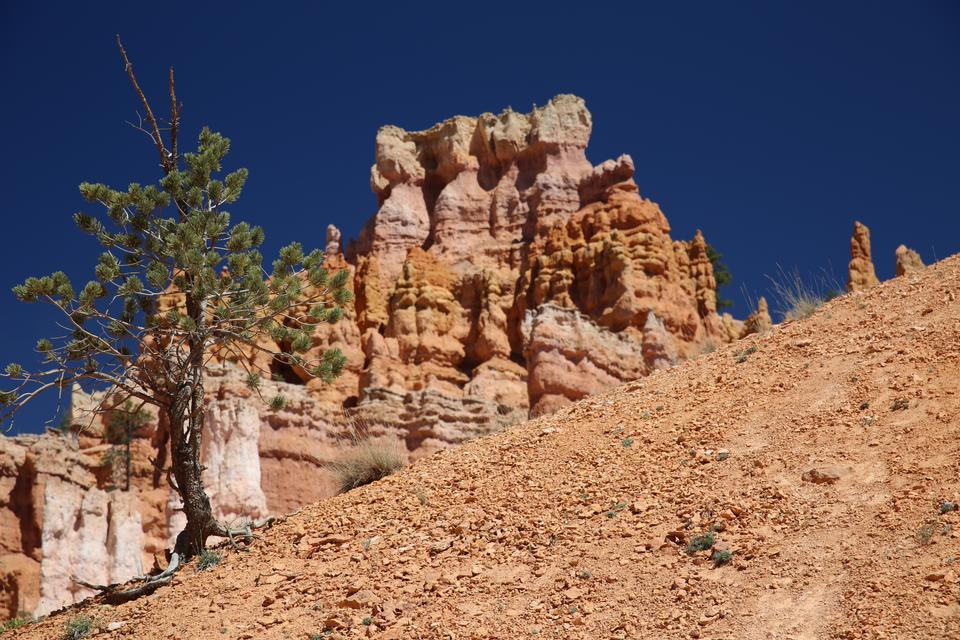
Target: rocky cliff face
502 275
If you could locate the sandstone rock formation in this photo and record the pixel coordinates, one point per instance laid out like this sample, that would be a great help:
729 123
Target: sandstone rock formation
908 261
502 275
759 321
860 272
56 524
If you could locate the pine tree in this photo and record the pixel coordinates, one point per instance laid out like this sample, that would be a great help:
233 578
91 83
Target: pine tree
123 425
177 284
721 274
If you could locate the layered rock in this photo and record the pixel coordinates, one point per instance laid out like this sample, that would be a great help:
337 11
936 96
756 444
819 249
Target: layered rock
501 276
860 271
908 261
57 525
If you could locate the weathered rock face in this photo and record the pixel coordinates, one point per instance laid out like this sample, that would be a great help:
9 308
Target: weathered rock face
501 276
57 524
482 223
759 321
570 357
908 261
860 272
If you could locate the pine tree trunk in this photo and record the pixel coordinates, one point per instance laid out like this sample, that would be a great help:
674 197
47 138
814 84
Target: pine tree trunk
128 461
186 426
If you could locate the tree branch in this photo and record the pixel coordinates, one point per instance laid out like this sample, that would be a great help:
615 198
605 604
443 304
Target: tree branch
157 138
174 119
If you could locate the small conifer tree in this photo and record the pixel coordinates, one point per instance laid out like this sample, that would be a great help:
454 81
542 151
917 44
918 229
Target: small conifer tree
123 425
178 283
721 274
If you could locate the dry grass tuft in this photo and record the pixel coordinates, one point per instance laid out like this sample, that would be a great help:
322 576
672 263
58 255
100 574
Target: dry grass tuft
797 297
368 459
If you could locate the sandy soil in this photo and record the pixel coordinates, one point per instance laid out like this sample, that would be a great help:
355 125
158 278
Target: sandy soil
820 455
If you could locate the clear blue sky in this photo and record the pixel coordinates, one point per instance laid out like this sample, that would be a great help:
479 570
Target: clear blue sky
769 125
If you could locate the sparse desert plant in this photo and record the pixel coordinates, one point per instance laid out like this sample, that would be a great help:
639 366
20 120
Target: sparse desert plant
207 559
721 558
367 460
741 356
947 506
615 509
925 533
21 620
78 627
709 346
421 494
721 273
900 404
124 424
798 297
701 543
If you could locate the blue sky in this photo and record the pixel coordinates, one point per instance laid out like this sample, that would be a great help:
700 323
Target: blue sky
771 126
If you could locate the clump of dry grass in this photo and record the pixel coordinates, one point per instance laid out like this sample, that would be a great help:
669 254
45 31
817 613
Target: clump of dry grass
799 297
367 459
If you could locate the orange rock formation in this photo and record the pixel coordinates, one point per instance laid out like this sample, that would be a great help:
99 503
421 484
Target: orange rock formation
860 272
502 275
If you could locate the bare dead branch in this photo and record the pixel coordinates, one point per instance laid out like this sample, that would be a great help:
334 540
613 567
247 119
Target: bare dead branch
174 119
151 119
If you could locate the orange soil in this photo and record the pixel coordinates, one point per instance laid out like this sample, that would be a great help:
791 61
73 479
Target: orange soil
574 525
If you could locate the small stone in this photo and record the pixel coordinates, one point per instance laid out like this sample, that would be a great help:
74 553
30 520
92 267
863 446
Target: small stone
364 599
441 546
824 475
572 593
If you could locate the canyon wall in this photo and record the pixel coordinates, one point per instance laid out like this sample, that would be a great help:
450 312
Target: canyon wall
501 276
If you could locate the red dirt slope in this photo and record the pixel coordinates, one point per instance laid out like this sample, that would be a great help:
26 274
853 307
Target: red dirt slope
841 439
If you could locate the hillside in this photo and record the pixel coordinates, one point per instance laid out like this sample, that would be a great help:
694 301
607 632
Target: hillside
502 277
821 451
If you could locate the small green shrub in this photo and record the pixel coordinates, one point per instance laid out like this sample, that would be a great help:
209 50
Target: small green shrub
627 442
208 558
701 543
15 623
615 509
946 507
745 352
900 404
721 558
78 627
925 533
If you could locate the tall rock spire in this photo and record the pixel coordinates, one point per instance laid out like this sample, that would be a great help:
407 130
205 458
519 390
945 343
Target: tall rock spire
860 272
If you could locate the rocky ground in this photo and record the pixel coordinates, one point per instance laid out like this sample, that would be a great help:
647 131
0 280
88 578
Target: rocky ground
824 456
